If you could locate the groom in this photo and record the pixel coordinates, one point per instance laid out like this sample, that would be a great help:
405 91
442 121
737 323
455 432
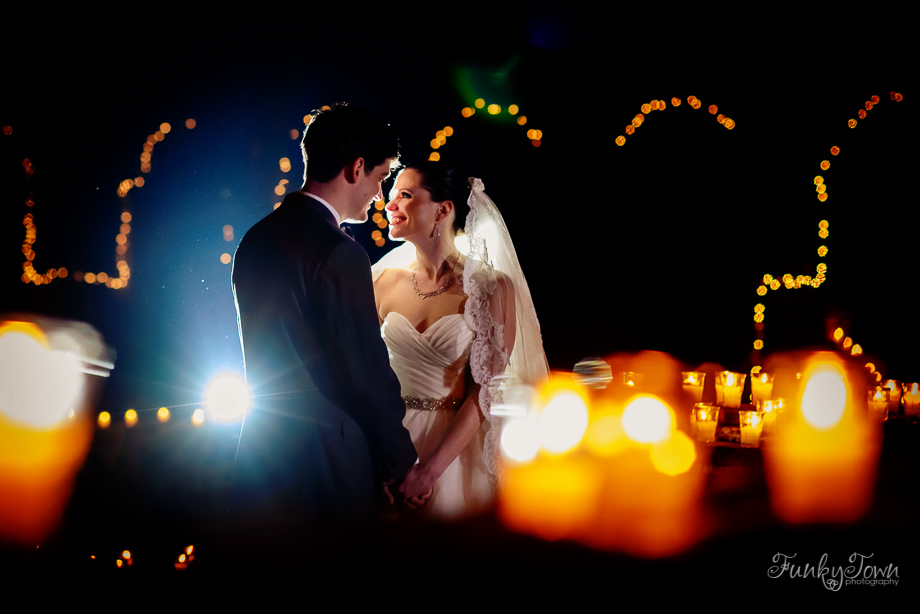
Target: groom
325 429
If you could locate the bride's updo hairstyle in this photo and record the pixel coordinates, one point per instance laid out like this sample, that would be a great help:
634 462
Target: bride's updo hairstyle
446 182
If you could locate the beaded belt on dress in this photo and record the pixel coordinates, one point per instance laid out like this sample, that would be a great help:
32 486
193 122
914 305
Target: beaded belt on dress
430 404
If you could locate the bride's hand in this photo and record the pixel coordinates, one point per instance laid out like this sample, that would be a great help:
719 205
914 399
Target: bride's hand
417 486
417 502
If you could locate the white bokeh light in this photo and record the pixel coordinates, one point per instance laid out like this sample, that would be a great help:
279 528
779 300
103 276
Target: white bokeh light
520 440
824 399
563 422
38 386
647 419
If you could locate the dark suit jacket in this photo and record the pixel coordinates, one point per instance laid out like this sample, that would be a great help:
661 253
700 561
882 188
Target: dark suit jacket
325 430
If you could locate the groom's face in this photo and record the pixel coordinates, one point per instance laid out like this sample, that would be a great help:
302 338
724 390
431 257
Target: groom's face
369 189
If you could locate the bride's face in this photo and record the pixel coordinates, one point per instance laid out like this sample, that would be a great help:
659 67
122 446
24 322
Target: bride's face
411 211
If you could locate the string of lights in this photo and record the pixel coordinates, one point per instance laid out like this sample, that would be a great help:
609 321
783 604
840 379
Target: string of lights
793 283
30 275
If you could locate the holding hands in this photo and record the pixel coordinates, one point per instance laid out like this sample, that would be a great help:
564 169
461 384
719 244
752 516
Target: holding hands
413 489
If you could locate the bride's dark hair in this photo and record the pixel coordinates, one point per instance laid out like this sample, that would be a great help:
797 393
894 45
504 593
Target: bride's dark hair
446 182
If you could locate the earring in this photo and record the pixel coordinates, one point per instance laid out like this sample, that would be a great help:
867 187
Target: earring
436 230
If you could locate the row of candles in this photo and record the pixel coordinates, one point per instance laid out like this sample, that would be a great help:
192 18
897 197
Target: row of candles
763 413
626 475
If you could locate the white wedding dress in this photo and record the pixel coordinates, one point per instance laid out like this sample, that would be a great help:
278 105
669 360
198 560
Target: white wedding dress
431 367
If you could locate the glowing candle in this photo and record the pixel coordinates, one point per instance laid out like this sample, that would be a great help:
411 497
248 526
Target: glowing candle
693 384
751 426
894 398
761 387
632 379
706 417
911 399
878 402
821 467
769 411
728 388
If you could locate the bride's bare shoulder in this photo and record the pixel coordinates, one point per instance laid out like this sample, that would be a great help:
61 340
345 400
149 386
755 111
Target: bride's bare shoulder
389 278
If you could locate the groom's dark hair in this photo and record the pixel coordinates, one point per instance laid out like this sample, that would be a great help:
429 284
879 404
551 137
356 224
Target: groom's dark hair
338 135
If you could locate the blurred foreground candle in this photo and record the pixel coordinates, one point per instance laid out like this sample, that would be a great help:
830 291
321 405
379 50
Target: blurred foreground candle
910 398
751 423
894 395
551 494
621 481
822 465
651 502
761 387
877 400
46 422
728 388
706 417
693 384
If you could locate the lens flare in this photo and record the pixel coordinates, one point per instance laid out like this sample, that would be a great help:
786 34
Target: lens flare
227 398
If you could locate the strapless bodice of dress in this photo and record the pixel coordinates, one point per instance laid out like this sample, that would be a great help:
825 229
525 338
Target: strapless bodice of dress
431 364
431 367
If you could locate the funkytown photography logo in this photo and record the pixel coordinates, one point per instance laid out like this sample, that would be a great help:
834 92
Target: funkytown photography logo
860 572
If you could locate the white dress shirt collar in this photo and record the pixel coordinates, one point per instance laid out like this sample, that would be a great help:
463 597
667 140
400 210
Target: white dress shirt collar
335 214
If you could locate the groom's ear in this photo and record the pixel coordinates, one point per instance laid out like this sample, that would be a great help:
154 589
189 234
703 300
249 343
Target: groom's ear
354 169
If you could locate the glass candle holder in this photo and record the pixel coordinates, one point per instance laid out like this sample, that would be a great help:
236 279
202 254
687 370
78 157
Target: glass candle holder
761 387
693 384
751 427
894 397
910 399
877 401
706 418
728 388
769 409
632 379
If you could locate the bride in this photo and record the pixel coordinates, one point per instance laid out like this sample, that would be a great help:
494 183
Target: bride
458 325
